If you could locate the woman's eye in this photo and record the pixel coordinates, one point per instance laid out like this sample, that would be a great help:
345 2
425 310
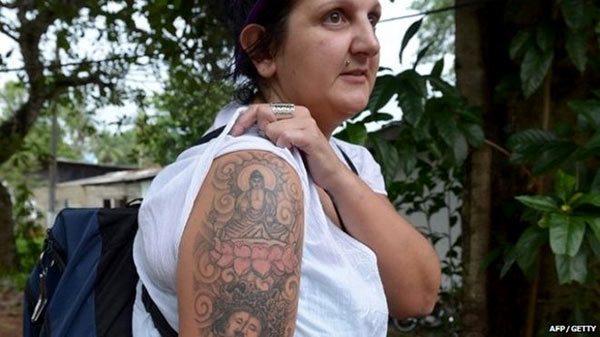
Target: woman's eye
335 17
374 19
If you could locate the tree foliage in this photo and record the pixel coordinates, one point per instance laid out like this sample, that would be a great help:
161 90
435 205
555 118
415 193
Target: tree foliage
178 117
565 218
423 156
49 37
439 129
56 67
438 29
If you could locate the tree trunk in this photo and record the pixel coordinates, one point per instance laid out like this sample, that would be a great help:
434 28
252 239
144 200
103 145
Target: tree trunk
8 256
472 82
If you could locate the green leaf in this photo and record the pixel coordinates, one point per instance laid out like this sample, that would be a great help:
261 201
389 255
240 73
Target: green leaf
576 46
594 244
474 134
528 247
384 89
530 137
438 68
543 222
527 145
520 43
587 199
566 233
538 202
387 156
574 199
534 68
564 185
408 158
451 135
446 126
595 186
591 148
554 156
545 37
421 54
412 106
571 268
414 82
589 109
378 117
509 259
442 86
489 258
595 226
412 30
357 133
62 40
460 150
470 114
572 12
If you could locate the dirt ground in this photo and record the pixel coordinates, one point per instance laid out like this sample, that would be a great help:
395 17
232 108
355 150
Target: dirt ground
10 310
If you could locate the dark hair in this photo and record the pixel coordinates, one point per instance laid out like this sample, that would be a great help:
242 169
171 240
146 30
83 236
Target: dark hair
273 16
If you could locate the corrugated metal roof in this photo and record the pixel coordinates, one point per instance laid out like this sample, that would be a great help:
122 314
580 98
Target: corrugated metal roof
116 177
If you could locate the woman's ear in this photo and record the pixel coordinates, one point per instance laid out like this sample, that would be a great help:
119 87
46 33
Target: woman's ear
264 63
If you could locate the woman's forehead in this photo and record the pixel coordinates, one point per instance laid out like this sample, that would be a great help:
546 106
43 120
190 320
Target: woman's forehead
318 4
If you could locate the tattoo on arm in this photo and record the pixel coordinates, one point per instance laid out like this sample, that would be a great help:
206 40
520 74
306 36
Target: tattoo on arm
247 265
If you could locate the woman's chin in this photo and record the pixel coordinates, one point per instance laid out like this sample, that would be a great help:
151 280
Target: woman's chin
353 105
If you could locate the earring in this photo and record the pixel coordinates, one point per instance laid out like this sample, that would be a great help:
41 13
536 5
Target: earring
347 63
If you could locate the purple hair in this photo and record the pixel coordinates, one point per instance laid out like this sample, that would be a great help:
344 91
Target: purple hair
255 11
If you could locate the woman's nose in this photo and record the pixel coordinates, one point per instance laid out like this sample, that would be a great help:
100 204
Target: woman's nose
365 41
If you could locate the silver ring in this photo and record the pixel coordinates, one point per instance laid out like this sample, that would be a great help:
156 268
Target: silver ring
283 110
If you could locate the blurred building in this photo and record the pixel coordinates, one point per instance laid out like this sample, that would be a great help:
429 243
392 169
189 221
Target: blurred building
91 185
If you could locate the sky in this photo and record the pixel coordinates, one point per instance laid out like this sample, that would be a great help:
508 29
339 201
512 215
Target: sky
390 35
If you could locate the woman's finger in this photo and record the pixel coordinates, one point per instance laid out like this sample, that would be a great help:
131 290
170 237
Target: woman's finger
289 138
292 132
245 121
265 116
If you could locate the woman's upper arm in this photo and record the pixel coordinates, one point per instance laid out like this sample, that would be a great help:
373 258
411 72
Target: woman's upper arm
239 259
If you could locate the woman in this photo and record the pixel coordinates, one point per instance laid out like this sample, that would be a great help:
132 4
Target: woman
266 230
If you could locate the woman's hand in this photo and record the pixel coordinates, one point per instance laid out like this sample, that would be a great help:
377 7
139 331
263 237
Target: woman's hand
300 131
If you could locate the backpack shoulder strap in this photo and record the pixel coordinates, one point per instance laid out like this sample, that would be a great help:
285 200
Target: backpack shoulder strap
211 135
160 322
348 161
353 168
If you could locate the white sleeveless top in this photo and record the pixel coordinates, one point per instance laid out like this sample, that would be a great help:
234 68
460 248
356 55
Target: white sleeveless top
340 294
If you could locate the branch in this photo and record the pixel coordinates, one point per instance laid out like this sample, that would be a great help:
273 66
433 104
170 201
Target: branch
14 129
79 63
508 154
74 81
5 31
497 147
9 5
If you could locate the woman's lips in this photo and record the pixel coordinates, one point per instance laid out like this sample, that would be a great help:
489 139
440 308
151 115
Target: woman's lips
355 76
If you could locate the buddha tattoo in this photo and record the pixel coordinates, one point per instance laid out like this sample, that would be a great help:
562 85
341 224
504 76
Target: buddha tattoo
247 269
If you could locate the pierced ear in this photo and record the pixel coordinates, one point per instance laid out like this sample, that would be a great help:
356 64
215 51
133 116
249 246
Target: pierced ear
264 63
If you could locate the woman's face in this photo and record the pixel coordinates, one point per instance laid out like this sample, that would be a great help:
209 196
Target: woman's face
329 59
